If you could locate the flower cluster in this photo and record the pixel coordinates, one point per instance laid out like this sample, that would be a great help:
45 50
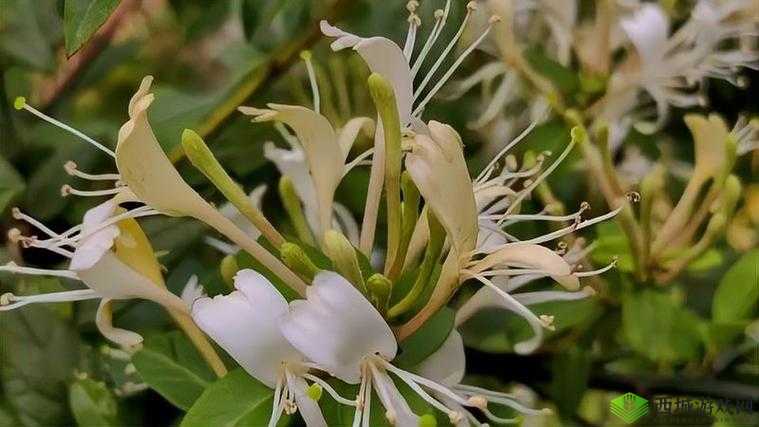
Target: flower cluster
349 315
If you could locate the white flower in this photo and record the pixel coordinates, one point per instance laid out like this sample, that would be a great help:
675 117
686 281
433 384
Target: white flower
245 323
668 67
316 162
95 262
395 64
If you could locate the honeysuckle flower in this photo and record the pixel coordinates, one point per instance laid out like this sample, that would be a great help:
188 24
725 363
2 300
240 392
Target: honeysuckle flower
316 162
668 67
245 323
96 260
147 176
342 333
395 64
474 226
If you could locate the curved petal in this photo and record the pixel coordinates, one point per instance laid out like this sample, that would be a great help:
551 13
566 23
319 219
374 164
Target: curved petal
437 167
446 365
326 161
292 164
91 248
348 133
145 168
104 323
383 57
245 324
336 327
532 257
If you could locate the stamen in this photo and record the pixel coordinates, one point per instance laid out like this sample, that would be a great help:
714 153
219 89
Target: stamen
574 227
306 56
413 23
71 168
490 167
500 398
542 177
12 267
359 160
469 7
276 410
441 16
531 298
67 190
287 136
10 301
600 270
17 214
451 70
21 104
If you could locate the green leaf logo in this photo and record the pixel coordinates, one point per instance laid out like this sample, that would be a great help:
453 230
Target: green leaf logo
629 407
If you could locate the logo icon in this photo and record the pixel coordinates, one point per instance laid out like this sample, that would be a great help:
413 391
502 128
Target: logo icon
629 407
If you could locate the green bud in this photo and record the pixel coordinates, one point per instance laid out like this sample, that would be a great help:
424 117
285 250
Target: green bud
315 391
228 269
380 287
343 256
387 108
291 202
19 103
731 193
297 260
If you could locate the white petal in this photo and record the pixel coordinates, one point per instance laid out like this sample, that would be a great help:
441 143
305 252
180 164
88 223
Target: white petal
648 30
438 169
446 365
233 214
104 322
146 169
324 155
336 327
292 164
113 279
348 133
91 248
383 57
245 324
192 291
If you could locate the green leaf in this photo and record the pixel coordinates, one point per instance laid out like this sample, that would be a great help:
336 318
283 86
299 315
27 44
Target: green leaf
235 400
570 371
38 354
426 340
654 325
82 18
11 183
92 403
737 295
612 243
171 365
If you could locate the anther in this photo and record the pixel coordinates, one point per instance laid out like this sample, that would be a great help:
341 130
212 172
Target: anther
633 196
455 417
547 322
70 167
493 19
439 13
412 5
14 235
478 402
742 82
65 190
471 6
511 162
16 213
7 298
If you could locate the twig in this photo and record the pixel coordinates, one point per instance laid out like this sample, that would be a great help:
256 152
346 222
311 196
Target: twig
262 75
75 66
